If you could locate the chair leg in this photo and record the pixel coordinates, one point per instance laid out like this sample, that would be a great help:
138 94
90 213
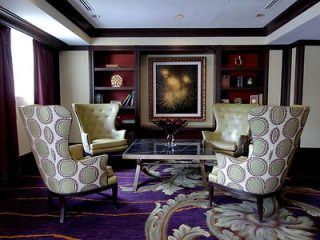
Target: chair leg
211 192
260 208
115 195
62 208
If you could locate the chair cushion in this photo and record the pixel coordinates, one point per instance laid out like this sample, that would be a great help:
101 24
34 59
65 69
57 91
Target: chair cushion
107 143
225 145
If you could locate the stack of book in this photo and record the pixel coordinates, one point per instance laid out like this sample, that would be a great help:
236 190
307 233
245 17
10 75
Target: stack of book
129 100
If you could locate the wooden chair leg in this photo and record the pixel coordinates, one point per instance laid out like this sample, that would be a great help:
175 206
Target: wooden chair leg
260 208
211 192
62 208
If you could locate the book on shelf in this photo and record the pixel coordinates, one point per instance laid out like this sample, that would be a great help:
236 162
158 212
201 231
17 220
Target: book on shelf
129 100
126 100
112 65
132 98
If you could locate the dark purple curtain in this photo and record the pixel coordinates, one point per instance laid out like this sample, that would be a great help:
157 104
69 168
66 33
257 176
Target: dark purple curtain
9 155
46 74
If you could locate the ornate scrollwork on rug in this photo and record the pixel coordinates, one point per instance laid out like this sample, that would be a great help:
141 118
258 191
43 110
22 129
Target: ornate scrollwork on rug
156 227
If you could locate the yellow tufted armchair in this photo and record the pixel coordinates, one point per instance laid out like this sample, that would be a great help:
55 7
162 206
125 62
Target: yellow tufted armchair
97 128
232 128
64 170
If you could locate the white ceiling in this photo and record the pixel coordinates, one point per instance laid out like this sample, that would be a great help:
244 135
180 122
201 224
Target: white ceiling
197 13
163 14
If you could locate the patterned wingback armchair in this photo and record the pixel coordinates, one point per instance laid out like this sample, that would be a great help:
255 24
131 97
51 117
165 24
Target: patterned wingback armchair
97 128
232 128
64 170
276 132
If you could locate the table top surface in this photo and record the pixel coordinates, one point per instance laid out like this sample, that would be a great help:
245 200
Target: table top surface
193 149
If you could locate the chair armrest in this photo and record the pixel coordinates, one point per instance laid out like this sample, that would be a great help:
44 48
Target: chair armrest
207 135
119 134
85 142
76 151
242 145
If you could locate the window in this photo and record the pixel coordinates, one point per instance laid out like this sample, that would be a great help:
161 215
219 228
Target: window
23 72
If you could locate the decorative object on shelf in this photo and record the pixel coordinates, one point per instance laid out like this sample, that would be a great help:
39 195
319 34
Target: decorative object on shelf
225 100
116 81
240 81
250 82
99 98
238 61
171 127
254 99
177 88
225 82
237 100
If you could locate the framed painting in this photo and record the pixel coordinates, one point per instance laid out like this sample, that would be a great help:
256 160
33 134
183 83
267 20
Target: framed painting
177 88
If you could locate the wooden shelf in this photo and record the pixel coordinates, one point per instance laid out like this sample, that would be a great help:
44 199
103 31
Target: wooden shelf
241 69
115 69
242 89
253 67
114 88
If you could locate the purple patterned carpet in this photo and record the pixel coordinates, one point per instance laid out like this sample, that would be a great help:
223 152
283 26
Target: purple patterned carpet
149 214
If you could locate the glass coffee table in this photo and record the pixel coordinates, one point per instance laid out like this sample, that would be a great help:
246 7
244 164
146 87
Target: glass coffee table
148 151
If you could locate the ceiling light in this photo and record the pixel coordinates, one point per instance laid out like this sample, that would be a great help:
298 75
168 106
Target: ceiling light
179 16
95 16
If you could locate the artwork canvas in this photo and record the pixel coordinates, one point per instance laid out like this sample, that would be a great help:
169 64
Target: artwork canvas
177 88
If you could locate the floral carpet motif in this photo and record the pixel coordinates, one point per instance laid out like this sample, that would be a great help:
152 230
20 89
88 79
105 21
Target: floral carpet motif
173 178
239 220
151 214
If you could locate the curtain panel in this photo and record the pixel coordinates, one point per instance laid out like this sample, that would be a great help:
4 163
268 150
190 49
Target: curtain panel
9 158
46 73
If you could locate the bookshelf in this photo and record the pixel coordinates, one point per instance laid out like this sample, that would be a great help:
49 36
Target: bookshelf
242 75
114 80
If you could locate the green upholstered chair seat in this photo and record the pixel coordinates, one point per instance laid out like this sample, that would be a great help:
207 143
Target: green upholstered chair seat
224 145
108 143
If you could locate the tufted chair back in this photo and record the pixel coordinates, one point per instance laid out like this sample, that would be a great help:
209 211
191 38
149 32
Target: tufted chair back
97 128
232 120
97 119
232 128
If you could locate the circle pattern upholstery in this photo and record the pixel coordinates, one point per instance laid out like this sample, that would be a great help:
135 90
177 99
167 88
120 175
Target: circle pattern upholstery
48 128
276 132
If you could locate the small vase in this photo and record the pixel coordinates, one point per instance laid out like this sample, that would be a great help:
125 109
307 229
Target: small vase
238 61
170 138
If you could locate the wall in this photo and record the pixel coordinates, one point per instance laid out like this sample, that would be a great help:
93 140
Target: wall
274 81
210 91
75 87
74 84
311 97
